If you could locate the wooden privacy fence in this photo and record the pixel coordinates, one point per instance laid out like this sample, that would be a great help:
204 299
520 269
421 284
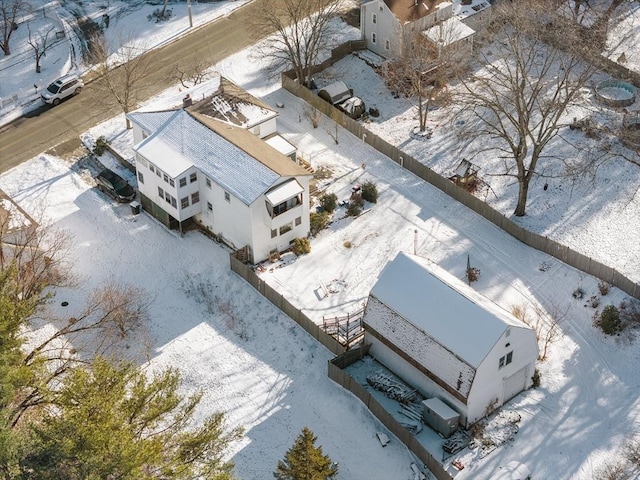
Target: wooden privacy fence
539 242
284 305
342 378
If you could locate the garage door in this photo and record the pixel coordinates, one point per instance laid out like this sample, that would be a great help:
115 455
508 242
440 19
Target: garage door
513 385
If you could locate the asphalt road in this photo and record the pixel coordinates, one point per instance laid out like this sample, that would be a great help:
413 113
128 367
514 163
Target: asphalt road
48 126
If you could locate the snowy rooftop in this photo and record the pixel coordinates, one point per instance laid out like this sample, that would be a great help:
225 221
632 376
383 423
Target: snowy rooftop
454 314
450 31
464 11
194 143
234 105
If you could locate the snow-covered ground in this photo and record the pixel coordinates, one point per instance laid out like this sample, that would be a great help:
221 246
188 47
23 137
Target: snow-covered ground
269 376
129 25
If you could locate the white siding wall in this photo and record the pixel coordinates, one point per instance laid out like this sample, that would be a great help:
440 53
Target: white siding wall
263 244
414 377
265 128
488 383
386 28
187 192
230 219
151 182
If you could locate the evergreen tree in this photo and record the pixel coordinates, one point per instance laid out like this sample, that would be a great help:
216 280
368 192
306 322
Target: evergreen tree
115 421
305 461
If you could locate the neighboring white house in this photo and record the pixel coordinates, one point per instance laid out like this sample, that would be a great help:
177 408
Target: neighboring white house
193 167
445 339
387 25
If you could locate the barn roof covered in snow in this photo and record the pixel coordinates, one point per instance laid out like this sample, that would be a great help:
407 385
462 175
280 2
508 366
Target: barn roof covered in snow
452 313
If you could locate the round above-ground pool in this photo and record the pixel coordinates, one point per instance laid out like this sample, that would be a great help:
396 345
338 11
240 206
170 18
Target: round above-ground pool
616 93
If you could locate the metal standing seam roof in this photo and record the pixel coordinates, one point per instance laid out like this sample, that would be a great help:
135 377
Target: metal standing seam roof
235 170
151 121
455 315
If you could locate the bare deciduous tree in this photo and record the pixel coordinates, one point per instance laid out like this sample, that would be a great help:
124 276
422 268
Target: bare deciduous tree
547 326
295 33
525 86
9 12
37 251
33 259
39 46
121 79
194 70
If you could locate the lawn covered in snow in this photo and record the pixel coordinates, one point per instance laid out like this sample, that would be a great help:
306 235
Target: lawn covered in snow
268 375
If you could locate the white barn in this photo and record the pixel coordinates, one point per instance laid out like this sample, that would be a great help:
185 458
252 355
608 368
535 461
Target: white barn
446 339
194 167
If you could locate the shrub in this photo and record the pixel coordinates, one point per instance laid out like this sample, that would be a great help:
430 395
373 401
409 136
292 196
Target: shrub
100 146
594 301
604 288
328 202
355 206
318 221
370 192
578 293
609 321
535 379
301 246
347 244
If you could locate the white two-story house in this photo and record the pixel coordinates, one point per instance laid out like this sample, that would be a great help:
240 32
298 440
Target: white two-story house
388 25
192 167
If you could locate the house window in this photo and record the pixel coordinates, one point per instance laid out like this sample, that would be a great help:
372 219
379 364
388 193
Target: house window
505 360
274 233
167 197
208 182
160 192
374 38
166 177
140 177
276 210
387 45
227 197
184 202
158 172
151 167
209 207
374 18
140 159
193 177
171 182
195 197
173 203
298 221
183 182
285 228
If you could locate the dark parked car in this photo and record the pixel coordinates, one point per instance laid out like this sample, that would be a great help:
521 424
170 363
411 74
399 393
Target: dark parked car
114 185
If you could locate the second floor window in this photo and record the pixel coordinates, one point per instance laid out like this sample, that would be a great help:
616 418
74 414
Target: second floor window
374 18
193 177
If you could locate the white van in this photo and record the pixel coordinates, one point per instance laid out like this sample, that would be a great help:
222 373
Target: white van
62 88
513 471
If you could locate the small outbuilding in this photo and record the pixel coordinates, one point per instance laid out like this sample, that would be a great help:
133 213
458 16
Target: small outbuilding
445 339
336 93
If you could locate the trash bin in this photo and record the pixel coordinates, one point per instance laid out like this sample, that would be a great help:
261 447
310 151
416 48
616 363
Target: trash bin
135 208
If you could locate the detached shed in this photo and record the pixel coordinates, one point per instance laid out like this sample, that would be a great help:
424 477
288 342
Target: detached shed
336 93
445 339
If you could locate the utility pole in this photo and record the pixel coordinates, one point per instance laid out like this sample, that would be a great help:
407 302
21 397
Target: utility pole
189 11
